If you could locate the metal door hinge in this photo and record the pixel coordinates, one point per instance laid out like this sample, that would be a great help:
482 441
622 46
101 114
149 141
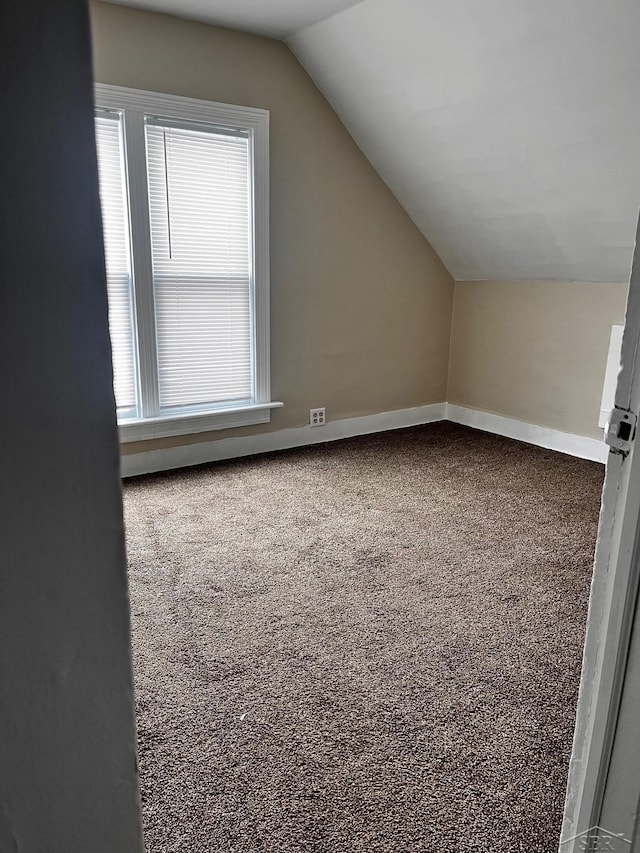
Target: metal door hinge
620 430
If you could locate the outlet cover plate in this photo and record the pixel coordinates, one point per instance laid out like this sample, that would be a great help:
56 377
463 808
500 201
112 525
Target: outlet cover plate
317 417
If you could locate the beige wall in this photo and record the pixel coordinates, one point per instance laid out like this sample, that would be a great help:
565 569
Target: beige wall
361 304
534 350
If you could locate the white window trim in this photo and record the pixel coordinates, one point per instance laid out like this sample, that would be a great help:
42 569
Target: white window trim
139 103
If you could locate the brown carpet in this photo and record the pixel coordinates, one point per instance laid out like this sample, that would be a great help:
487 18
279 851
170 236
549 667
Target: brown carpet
371 645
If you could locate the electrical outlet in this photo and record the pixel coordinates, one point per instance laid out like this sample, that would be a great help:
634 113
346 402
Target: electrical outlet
318 417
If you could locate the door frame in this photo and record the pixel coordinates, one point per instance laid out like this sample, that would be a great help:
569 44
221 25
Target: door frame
611 604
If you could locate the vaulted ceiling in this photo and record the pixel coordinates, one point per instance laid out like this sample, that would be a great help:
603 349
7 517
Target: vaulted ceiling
508 129
277 19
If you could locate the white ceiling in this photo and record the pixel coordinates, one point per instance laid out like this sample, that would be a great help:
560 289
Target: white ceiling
508 129
274 18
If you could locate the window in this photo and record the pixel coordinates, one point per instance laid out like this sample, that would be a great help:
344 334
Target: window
184 194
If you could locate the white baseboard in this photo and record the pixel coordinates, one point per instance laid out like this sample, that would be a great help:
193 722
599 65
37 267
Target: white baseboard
151 461
230 448
553 439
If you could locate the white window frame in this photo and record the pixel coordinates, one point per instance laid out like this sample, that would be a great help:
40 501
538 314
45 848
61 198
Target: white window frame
134 105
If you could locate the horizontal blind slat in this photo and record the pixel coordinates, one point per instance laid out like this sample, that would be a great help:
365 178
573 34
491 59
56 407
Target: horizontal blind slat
200 214
115 223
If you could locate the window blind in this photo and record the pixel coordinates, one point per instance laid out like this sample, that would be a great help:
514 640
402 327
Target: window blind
115 225
199 182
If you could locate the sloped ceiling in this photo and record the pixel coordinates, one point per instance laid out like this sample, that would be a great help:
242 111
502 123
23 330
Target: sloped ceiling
508 129
274 18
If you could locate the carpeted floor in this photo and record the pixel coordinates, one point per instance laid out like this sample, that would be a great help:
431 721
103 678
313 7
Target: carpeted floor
372 645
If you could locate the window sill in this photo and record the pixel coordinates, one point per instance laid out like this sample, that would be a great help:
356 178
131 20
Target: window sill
142 430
